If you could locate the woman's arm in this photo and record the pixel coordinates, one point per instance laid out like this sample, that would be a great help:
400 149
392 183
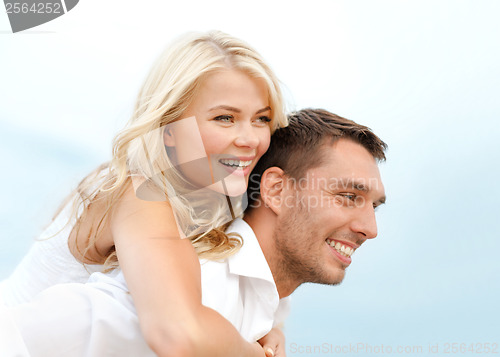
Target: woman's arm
163 274
274 343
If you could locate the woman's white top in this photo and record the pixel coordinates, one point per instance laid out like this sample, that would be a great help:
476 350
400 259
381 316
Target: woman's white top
99 318
48 262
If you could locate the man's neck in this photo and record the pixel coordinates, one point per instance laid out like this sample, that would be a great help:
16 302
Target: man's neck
263 224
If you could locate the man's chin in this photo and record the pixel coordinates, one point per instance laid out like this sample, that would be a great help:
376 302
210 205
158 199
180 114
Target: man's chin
336 278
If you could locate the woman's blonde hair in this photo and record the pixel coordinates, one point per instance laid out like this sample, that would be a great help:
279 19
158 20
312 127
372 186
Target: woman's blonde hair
139 150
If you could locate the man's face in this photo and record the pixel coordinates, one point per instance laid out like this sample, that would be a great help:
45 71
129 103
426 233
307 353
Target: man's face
328 214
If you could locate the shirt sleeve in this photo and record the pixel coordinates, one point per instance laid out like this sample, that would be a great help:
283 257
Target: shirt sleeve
75 320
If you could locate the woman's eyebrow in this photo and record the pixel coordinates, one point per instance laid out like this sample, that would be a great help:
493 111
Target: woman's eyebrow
226 107
263 110
236 110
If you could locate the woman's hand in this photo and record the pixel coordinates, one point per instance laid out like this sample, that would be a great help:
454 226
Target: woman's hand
274 343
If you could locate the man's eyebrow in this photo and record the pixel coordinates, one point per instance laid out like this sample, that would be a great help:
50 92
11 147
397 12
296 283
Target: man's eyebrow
358 186
351 184
236 110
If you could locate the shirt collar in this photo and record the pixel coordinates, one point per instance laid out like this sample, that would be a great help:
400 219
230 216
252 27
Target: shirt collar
249 260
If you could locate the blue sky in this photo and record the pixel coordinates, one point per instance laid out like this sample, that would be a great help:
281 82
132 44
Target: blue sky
423 75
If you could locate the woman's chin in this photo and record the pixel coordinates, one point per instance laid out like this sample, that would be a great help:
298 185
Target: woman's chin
230 186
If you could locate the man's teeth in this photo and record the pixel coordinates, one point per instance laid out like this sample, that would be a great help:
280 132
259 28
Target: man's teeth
236 163
342 249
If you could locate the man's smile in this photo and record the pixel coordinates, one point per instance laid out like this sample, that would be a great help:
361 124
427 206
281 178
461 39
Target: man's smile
341 249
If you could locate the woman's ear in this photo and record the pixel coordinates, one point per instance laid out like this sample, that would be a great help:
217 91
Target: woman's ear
168 137
271 188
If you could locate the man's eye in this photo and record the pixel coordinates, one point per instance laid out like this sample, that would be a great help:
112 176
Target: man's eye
224 118
346 199
349 196
349 199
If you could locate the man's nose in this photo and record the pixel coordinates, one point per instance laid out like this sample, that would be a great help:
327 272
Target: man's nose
365 222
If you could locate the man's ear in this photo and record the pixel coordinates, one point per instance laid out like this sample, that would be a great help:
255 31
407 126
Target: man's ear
271 188
168 137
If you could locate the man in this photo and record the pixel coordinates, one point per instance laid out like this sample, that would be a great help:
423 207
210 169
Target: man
320 186
311 205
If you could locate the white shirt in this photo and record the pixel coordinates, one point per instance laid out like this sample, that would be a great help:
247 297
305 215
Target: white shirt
99 319
48 262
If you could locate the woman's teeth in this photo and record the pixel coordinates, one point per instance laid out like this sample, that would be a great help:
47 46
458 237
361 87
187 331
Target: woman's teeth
342 249
237 164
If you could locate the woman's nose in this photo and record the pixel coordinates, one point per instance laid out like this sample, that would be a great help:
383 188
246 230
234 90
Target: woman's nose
246 137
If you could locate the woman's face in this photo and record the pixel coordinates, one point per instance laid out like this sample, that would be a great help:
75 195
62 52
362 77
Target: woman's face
223 133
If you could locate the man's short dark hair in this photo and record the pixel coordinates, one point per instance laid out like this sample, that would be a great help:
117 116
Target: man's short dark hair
297 148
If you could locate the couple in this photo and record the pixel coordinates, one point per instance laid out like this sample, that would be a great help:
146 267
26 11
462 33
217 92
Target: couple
319 186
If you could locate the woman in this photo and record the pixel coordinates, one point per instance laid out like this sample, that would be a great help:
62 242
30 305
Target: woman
202 119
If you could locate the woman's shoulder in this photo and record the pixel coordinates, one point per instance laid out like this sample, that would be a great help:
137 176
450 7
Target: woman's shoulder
147 217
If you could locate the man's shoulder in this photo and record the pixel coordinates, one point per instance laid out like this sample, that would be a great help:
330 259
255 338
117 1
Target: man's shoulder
240 227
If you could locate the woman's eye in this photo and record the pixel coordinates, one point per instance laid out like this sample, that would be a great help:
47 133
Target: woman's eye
264 119
224 118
